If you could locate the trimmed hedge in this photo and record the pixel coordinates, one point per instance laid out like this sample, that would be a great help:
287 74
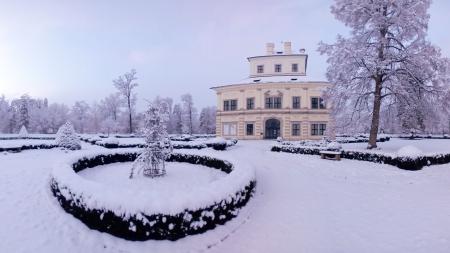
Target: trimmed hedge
28 147
25 138
144 226
405 163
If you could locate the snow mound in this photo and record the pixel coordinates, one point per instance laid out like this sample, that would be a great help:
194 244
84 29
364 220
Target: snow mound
110 140
335 146
409 151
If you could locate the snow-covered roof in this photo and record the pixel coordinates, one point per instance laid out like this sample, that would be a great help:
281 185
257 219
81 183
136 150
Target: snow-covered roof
274 79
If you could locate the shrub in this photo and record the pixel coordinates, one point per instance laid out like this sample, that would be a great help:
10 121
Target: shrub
67 138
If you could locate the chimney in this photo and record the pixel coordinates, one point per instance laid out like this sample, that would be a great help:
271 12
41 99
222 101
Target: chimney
270 48
287 48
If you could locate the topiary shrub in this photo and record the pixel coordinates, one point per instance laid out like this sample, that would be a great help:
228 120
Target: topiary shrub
67 138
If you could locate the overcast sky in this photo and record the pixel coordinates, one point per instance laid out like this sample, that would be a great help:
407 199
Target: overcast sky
72 50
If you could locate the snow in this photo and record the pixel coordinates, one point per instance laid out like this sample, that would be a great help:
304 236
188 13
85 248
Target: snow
277 79
409 151
21 142
94 195
428 146
180 177
302 204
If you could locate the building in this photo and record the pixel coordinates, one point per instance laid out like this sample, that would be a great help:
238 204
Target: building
276 100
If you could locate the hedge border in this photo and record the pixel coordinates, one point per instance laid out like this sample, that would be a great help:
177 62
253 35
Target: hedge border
405 163
28 147
143 226
180 145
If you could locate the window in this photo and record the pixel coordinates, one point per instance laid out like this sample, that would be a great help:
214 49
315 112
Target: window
250 103
230 105
294 67
296 129
229 129
260 68
277 67
273 102
317 103
318 129
296 102
250 129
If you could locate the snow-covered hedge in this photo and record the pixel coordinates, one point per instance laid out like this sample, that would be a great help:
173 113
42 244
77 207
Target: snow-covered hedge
215 143
110 142
135 216
410 162
8 137
28 147
423 136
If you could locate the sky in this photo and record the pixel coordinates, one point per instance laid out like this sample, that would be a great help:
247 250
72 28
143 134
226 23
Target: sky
72 50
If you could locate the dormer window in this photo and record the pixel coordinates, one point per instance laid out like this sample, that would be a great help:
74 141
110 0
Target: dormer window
277 68
294 67
260 69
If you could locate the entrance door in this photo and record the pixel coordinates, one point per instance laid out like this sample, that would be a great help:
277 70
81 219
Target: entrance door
272 129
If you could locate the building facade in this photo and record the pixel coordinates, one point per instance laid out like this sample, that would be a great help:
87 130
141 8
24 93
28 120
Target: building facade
276 100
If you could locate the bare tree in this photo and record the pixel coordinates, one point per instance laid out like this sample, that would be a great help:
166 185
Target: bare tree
386 57
125 84
189 113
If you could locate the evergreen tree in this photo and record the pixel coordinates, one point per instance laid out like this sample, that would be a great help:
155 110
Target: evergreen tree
67 138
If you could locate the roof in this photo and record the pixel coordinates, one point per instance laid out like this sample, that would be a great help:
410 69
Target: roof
273 79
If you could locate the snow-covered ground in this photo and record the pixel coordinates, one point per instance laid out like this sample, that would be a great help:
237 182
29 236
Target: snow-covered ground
302 204
427 146
180 177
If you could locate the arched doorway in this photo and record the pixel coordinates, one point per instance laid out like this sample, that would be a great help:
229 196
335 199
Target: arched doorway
272 129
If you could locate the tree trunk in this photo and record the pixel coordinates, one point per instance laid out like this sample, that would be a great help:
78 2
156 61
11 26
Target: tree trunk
375 115
129 116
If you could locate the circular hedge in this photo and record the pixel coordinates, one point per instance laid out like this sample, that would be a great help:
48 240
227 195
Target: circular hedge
140 217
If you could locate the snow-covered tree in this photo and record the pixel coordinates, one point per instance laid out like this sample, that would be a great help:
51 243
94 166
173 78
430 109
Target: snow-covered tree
386 58
57 115
208 120
111 106
5 115
67 138
166 105
189 114
176 120
79 115
125 85
23 133
152 160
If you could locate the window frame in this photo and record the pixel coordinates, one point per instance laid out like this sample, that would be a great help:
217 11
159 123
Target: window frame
296 131
318 129
260 69
296 104
321 105
251 102
278 68
232 128
252 129
294 69
273 102
230 105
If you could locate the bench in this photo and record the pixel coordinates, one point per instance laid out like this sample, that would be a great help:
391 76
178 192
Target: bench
330 155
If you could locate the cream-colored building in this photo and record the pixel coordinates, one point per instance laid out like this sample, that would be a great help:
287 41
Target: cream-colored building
276 100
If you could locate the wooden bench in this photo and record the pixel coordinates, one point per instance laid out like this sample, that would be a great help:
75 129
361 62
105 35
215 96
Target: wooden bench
330 155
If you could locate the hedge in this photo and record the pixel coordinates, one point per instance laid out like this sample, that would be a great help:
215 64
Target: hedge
28 147
405 163
158 226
